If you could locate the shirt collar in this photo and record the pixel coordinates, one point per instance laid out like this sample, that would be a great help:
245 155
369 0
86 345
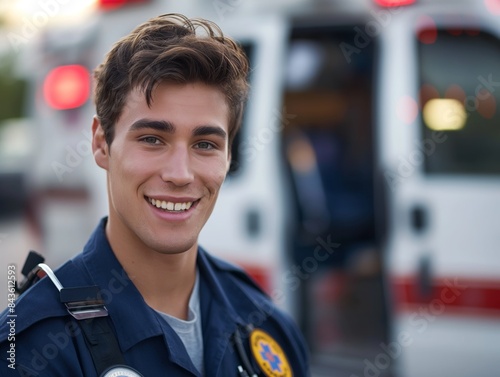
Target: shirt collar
120 294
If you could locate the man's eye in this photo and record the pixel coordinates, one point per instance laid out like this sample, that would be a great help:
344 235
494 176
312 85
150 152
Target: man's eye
150 140
204 145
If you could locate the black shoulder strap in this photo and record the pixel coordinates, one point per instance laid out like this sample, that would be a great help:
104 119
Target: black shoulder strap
87 307
101 342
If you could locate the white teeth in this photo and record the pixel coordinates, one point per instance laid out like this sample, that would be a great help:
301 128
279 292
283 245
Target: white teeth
170 206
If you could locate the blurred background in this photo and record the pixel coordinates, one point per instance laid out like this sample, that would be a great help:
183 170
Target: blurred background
364 193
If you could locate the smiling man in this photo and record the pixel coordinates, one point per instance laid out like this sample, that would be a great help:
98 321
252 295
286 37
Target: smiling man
143 298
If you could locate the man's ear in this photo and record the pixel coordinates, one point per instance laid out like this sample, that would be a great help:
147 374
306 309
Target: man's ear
99 146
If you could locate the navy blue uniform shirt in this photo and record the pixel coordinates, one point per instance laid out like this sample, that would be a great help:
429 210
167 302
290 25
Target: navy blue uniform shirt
49 343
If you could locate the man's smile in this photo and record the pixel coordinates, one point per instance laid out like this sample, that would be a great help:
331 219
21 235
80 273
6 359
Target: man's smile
172 206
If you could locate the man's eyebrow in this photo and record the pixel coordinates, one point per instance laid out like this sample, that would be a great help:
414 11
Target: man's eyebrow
209 130
158 125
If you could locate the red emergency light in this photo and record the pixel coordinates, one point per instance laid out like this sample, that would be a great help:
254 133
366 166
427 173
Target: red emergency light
394 3
113 4
493 6
67 87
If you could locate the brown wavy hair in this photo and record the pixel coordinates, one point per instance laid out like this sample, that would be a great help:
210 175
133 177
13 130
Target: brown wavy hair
171 48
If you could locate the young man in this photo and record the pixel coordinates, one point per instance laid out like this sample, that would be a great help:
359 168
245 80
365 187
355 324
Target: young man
147 299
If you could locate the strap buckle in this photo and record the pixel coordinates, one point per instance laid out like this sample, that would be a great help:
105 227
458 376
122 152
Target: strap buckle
81 302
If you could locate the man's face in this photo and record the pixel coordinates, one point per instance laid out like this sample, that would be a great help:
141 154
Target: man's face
165 165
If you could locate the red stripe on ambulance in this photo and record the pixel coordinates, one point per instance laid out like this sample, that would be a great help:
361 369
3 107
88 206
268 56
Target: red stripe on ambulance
451 295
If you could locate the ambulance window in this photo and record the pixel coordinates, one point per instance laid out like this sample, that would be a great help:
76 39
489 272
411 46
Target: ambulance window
235 149
460 102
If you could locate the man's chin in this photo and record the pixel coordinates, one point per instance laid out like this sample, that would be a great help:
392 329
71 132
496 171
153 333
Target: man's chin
174 249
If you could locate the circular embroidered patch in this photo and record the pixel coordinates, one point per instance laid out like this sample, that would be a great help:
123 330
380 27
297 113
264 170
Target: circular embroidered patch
121 371
269 355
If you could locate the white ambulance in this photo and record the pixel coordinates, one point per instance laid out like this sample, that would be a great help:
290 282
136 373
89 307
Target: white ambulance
365 191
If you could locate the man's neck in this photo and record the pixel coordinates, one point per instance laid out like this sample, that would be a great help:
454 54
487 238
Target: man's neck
165 281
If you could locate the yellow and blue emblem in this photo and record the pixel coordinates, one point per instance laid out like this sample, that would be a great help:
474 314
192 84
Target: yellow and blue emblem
269 355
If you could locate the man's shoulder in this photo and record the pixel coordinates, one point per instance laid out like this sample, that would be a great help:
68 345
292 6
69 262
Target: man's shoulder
235 274
40 302
237 283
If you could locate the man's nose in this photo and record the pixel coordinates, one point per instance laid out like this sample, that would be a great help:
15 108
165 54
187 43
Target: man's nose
177 167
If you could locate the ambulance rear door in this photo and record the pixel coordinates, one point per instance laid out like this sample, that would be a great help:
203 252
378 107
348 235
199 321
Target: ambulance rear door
440 145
